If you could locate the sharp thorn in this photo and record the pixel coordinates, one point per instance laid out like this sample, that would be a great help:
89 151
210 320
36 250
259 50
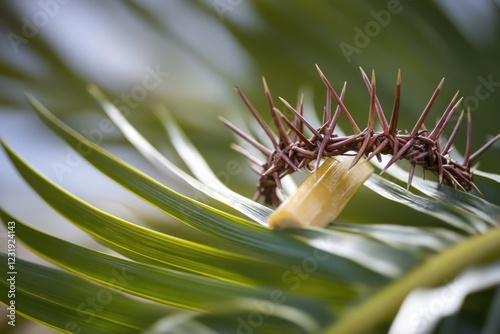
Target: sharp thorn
246 154
427 109
447 147
410 175
297 132
361 149
371 116
446 117
468 142
351 121
302 119
279 126
380 112
484 147
259 119
246 137
395 110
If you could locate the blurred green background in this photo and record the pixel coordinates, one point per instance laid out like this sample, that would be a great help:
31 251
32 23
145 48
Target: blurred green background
198 50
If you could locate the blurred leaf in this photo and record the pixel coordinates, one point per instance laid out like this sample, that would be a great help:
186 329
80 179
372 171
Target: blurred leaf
416 309
441 268
68 302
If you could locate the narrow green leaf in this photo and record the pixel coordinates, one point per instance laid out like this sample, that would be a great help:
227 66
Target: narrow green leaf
464 203
67 302
276 318
379 257
433 208
491 176
492 323
405 237
416 314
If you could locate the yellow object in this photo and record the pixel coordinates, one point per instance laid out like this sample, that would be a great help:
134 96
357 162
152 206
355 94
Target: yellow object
323 195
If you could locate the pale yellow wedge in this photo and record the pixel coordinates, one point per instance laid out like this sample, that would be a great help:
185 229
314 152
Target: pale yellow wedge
323 195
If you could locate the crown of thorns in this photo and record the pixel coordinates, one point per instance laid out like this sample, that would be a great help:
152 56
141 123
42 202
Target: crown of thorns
293 150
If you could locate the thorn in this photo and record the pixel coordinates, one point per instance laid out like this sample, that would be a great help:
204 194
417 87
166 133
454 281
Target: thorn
330 127
361 150
400 153
246 137
266 88
246 154
445 118
395 110
300 125
432 155
454 181
380 112
351 121
279 126
342 143
256 169
395 143
427 109
287 159
484 147
476 188
259 119
447 147
440 168
302 119
256 196
378 149
410 175
468 143
371 115
421 156
277 180
297 132
325 124
328 107
270 170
